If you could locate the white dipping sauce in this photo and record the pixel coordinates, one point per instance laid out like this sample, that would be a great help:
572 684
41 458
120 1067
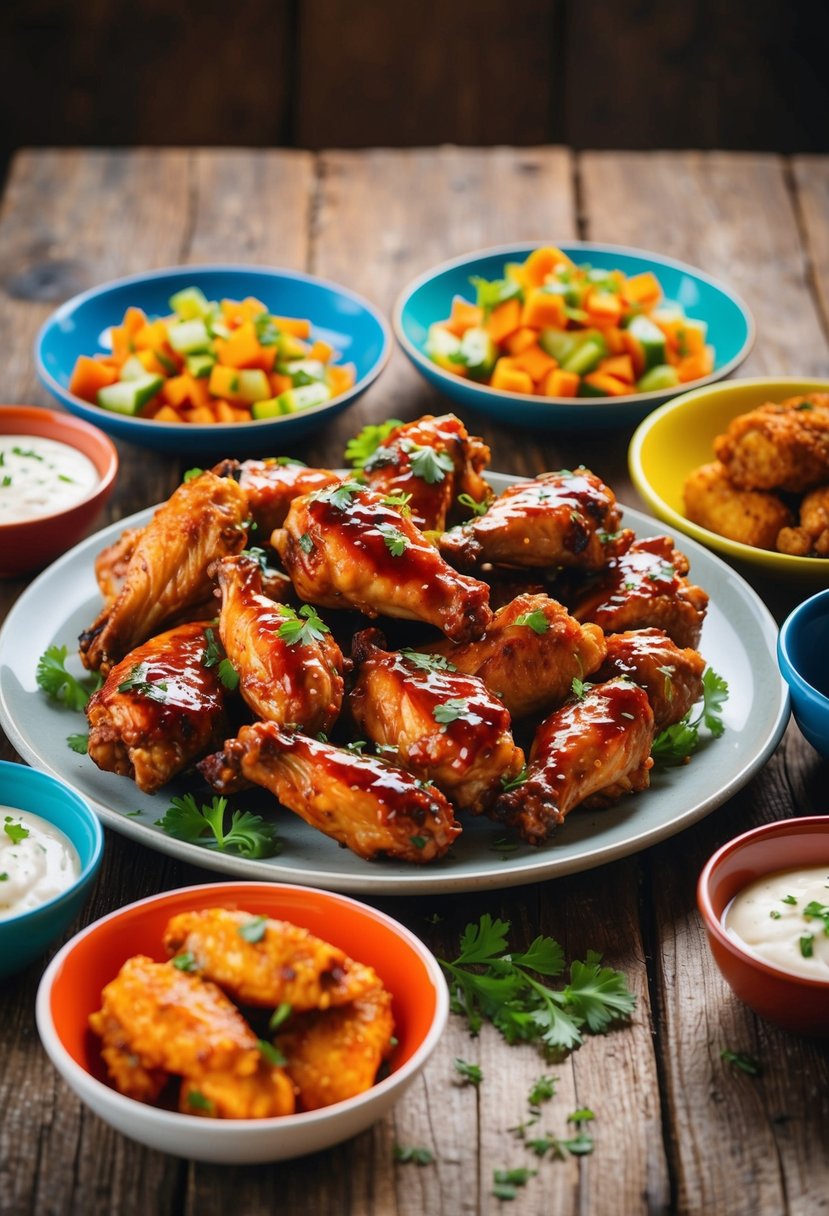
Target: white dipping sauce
41 476
767 917
34 867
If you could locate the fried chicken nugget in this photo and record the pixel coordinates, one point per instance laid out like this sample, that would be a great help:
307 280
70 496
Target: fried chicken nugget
778 446
752 517
811 538
266 962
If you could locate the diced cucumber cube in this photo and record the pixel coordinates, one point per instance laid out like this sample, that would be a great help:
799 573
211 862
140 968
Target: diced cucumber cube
215 323
303 398
290 347
558 343
651 339
479 352
306 370
200 366
586 357
253 385
188 337
590 390
660 376
133 369
129 396
444 348
266 409
191 303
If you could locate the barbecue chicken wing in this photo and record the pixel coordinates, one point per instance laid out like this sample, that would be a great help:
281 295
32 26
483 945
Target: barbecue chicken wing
597 747
432 460
446 726
529 655
372 808
112 562
346 547
159 709
168 570
335 1055
671 677
558 519
279 963
289 666
646 587
271 485
157 1020
752 517
781 446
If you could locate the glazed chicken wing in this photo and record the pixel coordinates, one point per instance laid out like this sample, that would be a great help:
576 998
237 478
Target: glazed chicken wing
371 807
159 709
335 1055
446 726
168 570
112 562
345 547
289 667
432 460
781 446
558 519
594 748
271 485
646 587
671 677
752 517
157 1020
529 655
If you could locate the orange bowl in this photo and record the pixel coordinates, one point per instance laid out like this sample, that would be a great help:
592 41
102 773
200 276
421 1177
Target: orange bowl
29 544
71 990
791 1001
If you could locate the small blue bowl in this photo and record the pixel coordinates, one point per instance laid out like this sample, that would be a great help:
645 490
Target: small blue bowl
27 935
353 327
803 655
429 298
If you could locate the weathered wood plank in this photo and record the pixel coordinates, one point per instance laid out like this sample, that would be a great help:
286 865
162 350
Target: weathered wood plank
810 175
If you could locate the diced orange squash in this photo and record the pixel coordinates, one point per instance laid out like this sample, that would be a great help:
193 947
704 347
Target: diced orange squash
683 338
535 362
611 386
504 320
521 340
241 413
200 414
542 308
151 363
251 308
177 390
279 383
166 414
122 345
134 320
613 340
293 325
150 336
643 290
602 308
633 347
224 411
224 381
694 367
242 348
558 383
620 366
89 376
463 316
323 351
267 358
341 378
542 262
511 379
199 391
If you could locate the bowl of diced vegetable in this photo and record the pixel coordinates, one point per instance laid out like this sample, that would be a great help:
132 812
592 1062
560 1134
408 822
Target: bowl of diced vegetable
216 360
580 335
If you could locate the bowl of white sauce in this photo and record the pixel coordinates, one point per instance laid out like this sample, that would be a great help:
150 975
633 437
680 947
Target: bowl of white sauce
764 899
51 846
56 473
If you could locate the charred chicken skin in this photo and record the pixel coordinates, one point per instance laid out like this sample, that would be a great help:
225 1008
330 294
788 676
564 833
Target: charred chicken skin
159 709
347 547
289 667
671 677
529 655
372 808
558 519
271 485
594 748
646 587
168 571
432 461
447 727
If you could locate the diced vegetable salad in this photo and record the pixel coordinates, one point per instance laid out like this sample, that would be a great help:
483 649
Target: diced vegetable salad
554 329
211 362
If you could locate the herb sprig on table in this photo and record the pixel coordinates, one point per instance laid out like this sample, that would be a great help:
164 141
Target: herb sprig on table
247 835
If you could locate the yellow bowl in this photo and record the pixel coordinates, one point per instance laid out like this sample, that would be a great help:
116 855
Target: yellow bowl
679 437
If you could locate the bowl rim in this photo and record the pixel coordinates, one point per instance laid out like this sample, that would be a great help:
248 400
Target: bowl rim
712 540
633 399
109 461
218 428
87 872
801 825
791 674
54 1047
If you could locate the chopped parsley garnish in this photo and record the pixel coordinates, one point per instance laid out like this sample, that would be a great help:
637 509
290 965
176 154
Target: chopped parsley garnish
512 783
739 1059
807 945
578 688
267 333
399 501
288 460
259 555
191 474
253 930
542 1091
774 914
470 1072
675 743
492 292
406 1153
78 743
281 1014
197 1100
301 628
248 835
789 899
340 496
427 662
27 452
507 1182
305 543
395 541
186 961
59 684
579 1145
476 507
428 464
137 682
536 621
213 655
817 911
4 877
451 710
364 445
419 842
357 746
272 1054
15 831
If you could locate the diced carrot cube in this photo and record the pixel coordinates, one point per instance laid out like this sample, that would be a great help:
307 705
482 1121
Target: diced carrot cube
542 262
166 414
613 340
535 362
279 383
89 376
603 308
463 316
177 390
504 320
694 367
543 308
242 348
620 366
150 336
323 351
200 414
511 379
558 383
267 358
609 385
521 340
224 411
642 290
251 308
134 320
224 381
341 378
122 345
150 362
293 325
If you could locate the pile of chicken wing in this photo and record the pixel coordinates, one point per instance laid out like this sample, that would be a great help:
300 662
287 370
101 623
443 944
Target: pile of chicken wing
526 649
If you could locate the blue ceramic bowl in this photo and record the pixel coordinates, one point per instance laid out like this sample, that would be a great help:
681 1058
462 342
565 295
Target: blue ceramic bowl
356 330
803 655
429 299
27 935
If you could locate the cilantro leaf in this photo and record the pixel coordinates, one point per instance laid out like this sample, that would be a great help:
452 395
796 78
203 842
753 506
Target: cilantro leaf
186 961
228 675
59 684
248 835
78 743
395 541
536 620
358 449
675 743
340 496
405 1153
302 628
138 682
428 464
400 501
272 1054
451 710
470 1072
15 831
281 1014
598 994
542 1091
427 662
492 292
476 507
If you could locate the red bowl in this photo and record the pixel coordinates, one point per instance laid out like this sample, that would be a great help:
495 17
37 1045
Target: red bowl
30 544
791 1001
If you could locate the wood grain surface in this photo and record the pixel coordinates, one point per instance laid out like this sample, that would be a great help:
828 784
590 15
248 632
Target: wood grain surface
677 1129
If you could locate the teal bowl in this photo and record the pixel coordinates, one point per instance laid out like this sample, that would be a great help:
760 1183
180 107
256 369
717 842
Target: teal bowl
429 298
25 936
803 655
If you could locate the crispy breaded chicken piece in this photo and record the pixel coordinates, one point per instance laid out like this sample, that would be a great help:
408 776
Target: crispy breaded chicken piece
335 1055
569 518
271 485
646 587
529 655
168 570
596 748
159 709
264 962
222 1095
752 517
170 1021
294 679
781 446
671 677
346 547
447 727
811 537
373 808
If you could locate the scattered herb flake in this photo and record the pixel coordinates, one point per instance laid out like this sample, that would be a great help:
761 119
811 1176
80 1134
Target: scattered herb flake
741 1060
364 445
419 842
137 682
512 783
428 464
272 1054
280 1015
406 1153
191 474
197 1100
789 899
78 743
15 831
305 543
471 1073
473 504
303 627
542 1091
451 710
536 620
507 1182
186 961
427 662
395 541
807 945
253 930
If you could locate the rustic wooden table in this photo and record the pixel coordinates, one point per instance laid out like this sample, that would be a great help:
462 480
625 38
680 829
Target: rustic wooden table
677 1129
